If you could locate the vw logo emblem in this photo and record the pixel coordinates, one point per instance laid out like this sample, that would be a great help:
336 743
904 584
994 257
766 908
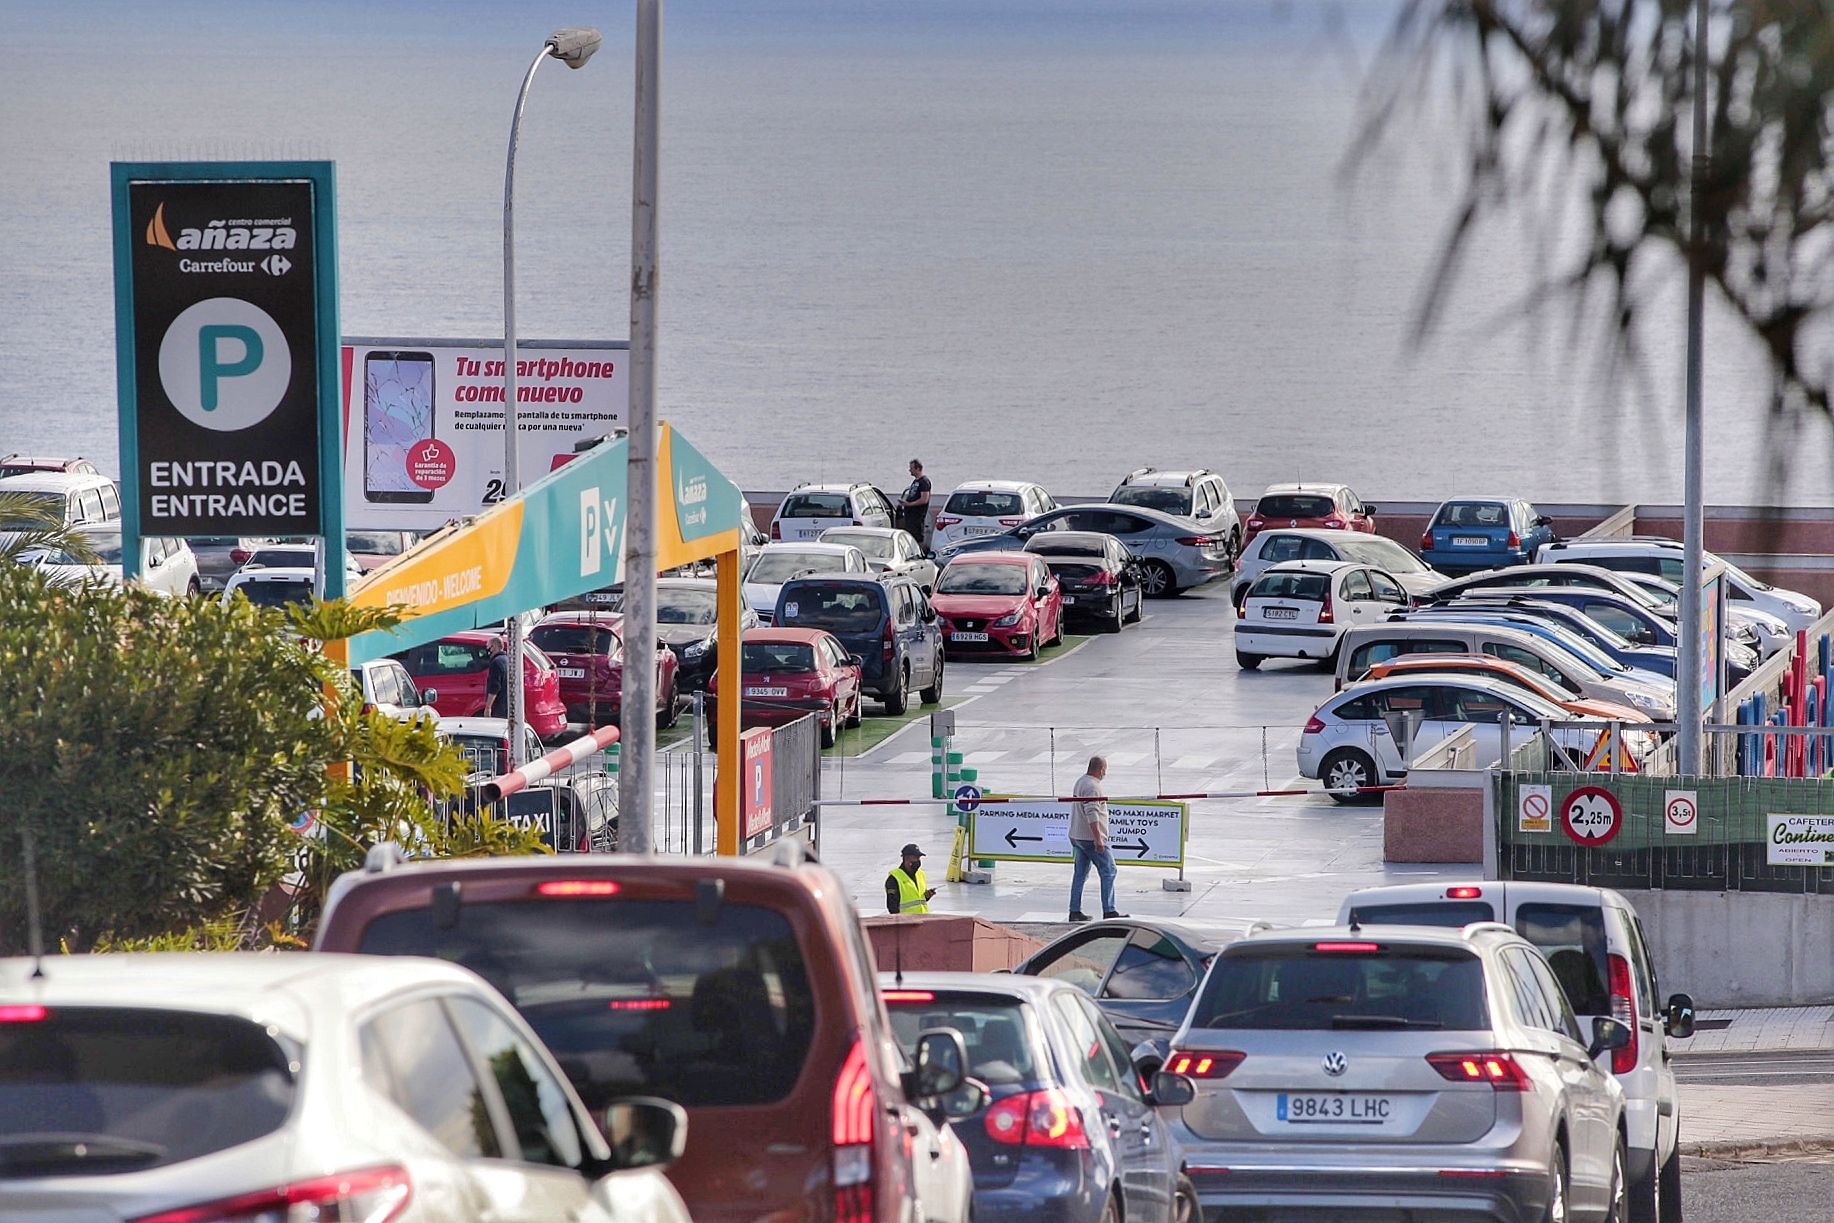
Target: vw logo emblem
1335 1064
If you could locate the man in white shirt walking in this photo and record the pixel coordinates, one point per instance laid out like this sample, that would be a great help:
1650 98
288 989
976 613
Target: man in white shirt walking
1089 841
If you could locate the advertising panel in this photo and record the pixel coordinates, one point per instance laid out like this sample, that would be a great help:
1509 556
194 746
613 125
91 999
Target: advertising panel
1028 830
755 799
226 318
423 436
1712 640
1799 840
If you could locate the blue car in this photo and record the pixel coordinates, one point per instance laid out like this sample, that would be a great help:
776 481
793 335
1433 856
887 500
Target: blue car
1067 1133
1570 625
885 622
1467 534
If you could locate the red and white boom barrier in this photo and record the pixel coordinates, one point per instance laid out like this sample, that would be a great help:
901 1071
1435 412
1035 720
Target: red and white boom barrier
537 770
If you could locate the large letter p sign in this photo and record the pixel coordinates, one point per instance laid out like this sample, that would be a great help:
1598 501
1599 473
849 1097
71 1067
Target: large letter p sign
225 365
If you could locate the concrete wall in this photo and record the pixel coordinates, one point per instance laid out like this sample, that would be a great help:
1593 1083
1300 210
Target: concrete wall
1737 949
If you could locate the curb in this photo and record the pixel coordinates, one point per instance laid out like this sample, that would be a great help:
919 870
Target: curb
1754 1147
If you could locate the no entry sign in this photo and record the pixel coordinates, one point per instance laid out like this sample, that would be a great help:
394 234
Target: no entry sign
1591 815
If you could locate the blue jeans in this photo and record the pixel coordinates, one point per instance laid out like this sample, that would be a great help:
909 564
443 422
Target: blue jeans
1087 855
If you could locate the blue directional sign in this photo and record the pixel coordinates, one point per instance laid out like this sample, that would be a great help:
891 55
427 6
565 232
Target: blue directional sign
967 798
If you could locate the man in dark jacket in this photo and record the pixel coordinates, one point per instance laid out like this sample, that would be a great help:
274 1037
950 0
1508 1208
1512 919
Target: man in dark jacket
496 683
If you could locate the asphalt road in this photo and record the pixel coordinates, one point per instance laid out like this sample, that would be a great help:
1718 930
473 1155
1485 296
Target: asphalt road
1783 1190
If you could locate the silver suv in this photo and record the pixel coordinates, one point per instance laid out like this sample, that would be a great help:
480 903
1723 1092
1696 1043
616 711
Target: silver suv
1198 495
1594 942
1409 1072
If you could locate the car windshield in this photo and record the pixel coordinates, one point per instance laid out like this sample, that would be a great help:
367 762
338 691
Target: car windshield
680 606
780 567
575 639
86 1091
704 1005
1295 505
275 594
283 558
777 658
48 504
1165 500
815 505
839 607
1374 550
1055 543
1312 586
1295 987
959 579
1489 514
985 504
880 547
992 1028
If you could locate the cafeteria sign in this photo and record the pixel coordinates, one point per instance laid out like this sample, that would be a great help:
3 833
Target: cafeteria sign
226 350
1800 840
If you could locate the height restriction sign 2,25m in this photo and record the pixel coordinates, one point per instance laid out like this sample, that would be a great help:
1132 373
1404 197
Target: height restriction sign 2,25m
1591 815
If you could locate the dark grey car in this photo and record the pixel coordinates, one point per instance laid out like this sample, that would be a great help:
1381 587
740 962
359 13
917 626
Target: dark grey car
1175 554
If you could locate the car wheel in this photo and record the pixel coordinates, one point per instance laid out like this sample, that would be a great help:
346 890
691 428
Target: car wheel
1157 580
1248 662
1557 1189
829 723
1235 549
933 694
1669 1197
670 712
1346 773
1037 650
1139 607
1185 1207
898 698
1618 1208
1117 616
194 588
1057 630
855 718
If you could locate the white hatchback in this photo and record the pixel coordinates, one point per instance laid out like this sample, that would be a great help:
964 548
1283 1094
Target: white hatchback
221 1086
813 508
777 563
167 565
987 507
1301 609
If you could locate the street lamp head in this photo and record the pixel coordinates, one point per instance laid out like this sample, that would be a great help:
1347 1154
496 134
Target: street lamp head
574 45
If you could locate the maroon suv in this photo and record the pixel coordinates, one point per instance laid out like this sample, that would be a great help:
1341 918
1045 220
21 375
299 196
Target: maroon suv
741 990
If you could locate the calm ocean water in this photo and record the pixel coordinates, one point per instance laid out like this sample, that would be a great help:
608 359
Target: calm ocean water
1031 239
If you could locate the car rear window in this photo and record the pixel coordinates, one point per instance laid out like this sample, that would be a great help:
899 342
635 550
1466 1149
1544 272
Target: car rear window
776 657
87 1091
840 607
1075 571
1472 514
993 1029
574 639
679 606
486 754
1311 586
1453 913
816 505
1165 500
1291 987
1572 937
1291 505
638 997
985 504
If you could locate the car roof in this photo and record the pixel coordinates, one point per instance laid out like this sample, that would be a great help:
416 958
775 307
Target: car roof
1514 890
1044 540
1496 500
1325 535
1011 985
802 636
1312 567
215 982
995 556
1435 936
274 573
827 488
1325 490
52 482
1158 518
879 531
707 584
604 619
1483 683
495 727
779 546
1607 547
1166 479
993 486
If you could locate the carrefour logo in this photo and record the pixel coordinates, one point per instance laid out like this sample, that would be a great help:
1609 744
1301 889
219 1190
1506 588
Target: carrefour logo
225 364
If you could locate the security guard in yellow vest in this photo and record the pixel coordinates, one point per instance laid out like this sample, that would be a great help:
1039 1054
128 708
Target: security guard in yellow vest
906 889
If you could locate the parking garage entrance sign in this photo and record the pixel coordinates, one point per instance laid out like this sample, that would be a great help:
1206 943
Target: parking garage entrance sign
227 349
1038 830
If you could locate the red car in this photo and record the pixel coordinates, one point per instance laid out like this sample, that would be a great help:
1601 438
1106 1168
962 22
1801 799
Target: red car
998 603
458 666
588 650
787 672
1330 507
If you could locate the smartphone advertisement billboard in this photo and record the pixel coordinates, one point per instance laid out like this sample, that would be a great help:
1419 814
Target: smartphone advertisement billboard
423 422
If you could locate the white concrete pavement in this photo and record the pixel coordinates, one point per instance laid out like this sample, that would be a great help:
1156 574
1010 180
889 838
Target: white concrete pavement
1166 704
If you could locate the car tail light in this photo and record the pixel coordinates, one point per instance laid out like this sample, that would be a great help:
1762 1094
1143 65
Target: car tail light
855 1101
776 531
1500 1070
1325 613
890 648
946 520
639 1004
1037 1119
1204 1063
1464 893
373 1195
1196 541
578 887
369 707
1341 948
240 555
1255 521
1101 577
24 1014
1011 522
894 997
1336 524
1624 1010
1514 540
1315 725
1426 542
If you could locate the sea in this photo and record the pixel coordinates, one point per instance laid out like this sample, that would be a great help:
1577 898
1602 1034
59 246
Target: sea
1033 239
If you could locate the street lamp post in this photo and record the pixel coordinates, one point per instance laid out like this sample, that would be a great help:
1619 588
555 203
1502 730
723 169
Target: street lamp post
572 46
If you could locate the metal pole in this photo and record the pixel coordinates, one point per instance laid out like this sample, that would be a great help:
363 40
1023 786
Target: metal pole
700 747
1687 687
512 482
634 795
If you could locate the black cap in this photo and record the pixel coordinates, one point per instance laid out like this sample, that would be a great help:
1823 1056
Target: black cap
911 851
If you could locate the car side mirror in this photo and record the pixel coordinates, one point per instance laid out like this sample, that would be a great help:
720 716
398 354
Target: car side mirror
1544 521
1607 1035
942 1065
1369 509
1148 1056
644 1132
929 614
1678 1020
964 1101
856 660
1172 1090
428 696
